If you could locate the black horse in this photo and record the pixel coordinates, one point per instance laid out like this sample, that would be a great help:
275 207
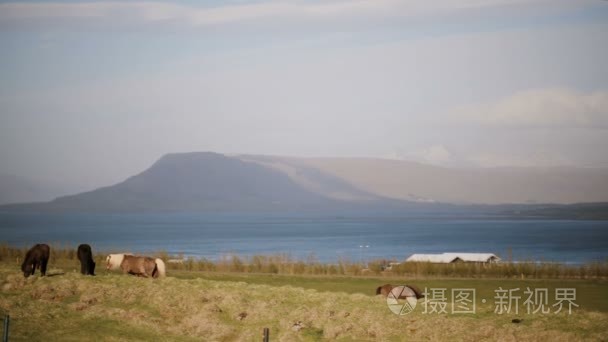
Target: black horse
36 257
85 255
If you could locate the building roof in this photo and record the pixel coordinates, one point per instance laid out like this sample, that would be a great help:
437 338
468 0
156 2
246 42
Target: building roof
435 258
452 257
475 257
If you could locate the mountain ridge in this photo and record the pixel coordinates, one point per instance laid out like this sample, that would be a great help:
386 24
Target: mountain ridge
407 180
196 181
213 182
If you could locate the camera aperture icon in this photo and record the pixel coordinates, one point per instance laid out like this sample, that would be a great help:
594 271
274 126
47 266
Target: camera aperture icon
401 300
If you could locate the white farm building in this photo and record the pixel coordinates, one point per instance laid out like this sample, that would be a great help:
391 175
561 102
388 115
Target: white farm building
448 258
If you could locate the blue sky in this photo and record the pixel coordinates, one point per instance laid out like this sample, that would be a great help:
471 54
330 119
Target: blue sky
96 91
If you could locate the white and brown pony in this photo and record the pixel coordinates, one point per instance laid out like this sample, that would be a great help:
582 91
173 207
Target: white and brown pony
140 266
115 262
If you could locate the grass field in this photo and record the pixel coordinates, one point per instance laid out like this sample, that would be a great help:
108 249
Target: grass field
225 306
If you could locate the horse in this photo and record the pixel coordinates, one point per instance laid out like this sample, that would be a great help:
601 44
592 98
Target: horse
384 290
419 294
36 257
139 266
407 291
113 262
85 255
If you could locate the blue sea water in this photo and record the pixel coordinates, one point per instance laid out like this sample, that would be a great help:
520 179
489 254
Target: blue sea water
327 238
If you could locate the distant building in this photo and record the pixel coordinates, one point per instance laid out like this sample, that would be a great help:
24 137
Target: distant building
448 258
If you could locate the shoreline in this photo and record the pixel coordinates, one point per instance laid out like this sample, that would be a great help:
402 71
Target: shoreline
283 264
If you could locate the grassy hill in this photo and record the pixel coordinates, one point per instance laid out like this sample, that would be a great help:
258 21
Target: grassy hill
190 306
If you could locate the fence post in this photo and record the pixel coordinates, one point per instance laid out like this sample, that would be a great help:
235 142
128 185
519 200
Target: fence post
266 335
5 334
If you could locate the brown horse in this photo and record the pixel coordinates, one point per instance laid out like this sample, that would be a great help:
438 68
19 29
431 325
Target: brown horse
85 256
419 294
36 257
411 290
384 290
139 266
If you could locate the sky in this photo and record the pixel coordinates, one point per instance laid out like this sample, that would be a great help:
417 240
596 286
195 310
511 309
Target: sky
93 92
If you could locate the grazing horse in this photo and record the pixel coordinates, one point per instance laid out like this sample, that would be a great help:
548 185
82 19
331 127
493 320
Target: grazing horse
113 261
384 290
85 255
36 257
139 266
419 294
407 291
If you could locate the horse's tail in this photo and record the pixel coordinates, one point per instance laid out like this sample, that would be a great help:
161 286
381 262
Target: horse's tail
160 267
379 290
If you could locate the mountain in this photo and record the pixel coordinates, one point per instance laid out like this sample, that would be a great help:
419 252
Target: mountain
411 181
18 189
211 182
576 211
204 181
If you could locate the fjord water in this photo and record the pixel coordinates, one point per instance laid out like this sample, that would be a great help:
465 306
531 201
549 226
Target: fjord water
327 238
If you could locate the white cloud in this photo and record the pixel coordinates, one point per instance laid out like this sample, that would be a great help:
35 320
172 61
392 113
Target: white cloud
552 107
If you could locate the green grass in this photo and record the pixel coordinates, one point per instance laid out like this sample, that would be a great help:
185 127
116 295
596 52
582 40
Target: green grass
592 295
189 306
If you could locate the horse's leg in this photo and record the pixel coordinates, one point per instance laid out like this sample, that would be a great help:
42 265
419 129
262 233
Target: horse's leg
144 272
83 267
34 265
43 267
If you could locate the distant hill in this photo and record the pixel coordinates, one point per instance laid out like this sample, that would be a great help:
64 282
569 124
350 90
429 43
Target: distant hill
411 181
205 181
212 182
576 211
18 189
